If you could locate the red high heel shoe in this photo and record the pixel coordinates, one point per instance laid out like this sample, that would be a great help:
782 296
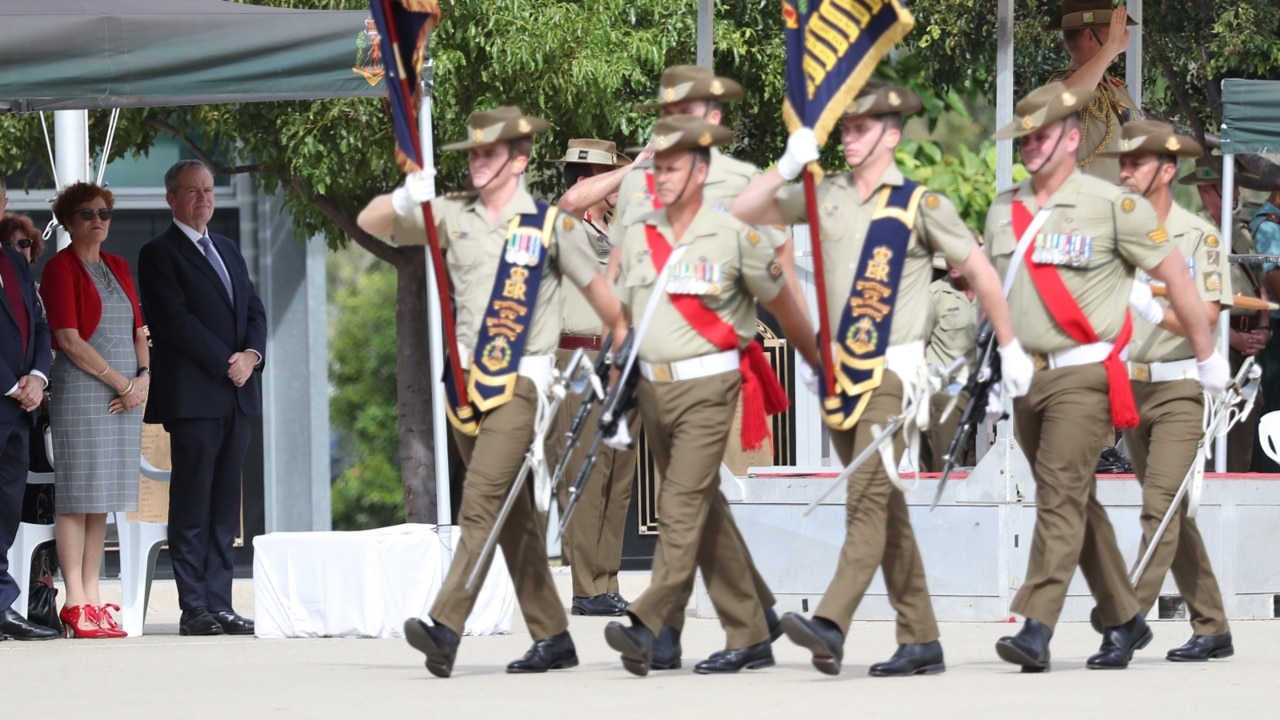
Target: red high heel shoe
78 621
107 621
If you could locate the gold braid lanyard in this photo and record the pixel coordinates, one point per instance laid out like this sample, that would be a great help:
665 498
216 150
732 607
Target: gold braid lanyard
1104 107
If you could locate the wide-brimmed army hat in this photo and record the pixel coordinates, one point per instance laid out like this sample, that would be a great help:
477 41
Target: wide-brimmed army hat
1152 137
686 132
1046 104
586 151
681 83
881 98
501 124
1084 13
1202 174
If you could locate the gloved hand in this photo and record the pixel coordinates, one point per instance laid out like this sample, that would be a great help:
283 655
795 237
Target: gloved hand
806 375
621 440
1214 373
409 197
1015 369
802 149
1144 303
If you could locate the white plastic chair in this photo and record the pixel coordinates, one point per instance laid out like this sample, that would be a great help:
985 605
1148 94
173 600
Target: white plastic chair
1269 434
140 544
29 538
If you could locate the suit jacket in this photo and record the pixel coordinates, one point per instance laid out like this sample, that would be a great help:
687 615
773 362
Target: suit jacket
194 328
15 362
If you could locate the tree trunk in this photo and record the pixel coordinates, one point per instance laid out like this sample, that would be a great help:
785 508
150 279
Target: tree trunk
414 387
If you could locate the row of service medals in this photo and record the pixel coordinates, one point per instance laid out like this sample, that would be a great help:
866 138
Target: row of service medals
695 279
1059 249
523 249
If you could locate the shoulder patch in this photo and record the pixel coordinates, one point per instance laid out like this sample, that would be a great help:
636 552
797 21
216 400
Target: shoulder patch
1159 236
1128 205
753 237
1213 281
568 223
775 270
931 201
1212 241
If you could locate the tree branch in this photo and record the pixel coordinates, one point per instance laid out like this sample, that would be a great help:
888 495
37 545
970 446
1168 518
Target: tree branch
1184 102
185 139
379 249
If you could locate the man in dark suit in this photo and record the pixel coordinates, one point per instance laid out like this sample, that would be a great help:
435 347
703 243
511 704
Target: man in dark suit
209 333
24 373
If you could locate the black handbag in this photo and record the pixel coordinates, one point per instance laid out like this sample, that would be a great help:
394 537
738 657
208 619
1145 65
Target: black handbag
42 602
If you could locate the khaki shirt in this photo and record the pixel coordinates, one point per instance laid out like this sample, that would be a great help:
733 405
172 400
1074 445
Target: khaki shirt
1102 127
578 317
473 248
1207 260
1123 232
747 272
1246 279
726 178
954 321
844 219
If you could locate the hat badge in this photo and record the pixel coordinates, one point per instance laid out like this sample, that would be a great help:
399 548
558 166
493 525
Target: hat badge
1172 144
669 94
1028 122
717 87
477 135
661 142
523 126
894 100
704 139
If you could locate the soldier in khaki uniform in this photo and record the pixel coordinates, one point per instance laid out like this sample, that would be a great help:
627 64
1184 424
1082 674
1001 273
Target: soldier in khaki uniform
1073 265
689 388
592 542
1094 35
1170 401
858 252
483 233
953 313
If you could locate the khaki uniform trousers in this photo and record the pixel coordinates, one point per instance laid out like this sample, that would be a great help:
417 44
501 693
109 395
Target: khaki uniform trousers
592 542
494 458
938 437
687 426
878 532
1061 425
1163 447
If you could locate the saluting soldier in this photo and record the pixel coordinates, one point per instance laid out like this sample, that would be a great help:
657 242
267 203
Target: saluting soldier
1170 402
695 356
1072 243
592 542
1095 34
879 232
953 333
506 255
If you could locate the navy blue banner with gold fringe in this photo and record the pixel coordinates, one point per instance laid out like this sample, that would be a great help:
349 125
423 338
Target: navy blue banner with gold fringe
403 29
867 319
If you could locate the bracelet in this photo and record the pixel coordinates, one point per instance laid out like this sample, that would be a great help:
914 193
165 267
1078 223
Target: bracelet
127 390
105 370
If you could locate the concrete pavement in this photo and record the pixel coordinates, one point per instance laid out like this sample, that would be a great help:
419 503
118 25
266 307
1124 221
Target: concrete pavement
165 674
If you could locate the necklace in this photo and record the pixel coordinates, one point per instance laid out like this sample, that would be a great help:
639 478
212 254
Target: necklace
100 271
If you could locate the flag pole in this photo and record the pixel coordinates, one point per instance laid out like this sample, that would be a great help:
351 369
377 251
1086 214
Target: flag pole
820 284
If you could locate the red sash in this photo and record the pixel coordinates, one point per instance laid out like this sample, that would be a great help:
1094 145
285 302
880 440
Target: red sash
762 394
1067 313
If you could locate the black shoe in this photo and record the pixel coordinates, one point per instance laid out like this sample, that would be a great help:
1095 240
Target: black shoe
774 624
666 650
198 621
912 659
233 623
603 605
820 636
635 643
1203 647
1119 643
437 642
1029 648
752 657
15 627
553 653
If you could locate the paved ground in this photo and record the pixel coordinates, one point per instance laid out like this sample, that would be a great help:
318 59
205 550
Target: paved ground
223 678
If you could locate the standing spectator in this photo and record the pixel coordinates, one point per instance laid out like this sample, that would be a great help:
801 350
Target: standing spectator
953 322
18 232
209 331
99 381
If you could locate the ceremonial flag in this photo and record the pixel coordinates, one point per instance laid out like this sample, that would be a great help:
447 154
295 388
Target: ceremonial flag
833 46
403 27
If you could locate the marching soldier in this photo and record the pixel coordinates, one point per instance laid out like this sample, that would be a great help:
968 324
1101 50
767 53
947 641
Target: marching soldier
592 542
506 255
953 323
878 233
695 325
1071 243
1170 403
1094 35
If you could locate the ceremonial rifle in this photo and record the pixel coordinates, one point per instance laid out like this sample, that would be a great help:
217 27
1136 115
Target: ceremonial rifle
981 380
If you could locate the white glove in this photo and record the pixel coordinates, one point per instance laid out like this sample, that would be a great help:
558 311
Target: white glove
1144 303
1015 369
802 149
1214 373
417 189
621 439
806 375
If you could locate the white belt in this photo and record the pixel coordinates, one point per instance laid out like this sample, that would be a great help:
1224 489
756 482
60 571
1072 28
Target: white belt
690 369
1165 371
1079 355
535 367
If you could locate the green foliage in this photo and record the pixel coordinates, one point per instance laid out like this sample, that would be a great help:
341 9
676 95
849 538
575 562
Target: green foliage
368 495
968 178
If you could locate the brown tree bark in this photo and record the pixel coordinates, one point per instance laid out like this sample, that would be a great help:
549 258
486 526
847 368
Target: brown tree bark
414 385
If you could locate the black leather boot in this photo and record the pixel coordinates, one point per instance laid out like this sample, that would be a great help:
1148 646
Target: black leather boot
437 642
912 659
634 642
819 636
1029 648
1203 647
554 653
666 650
752 657
1119 644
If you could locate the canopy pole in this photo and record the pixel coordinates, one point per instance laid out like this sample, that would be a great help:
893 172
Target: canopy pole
1004 91
71 153
1224 332
706 23
1133 54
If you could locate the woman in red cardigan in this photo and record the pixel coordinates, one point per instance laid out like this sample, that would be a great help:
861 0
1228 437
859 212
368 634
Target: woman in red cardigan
98 385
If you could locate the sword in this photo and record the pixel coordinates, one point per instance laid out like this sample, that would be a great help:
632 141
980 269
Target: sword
599 376
1252 259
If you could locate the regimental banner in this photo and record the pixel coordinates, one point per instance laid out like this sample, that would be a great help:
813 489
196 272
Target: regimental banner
833 46
403 28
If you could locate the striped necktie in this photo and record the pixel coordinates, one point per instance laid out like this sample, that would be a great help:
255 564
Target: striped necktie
206 245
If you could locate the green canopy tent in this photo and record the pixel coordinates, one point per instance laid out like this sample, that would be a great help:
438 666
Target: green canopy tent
74 54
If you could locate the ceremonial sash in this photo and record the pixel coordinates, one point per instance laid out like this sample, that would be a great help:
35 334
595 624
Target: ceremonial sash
508 316
1065 311
865 322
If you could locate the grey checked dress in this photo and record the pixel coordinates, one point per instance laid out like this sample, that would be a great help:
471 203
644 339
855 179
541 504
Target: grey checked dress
96 454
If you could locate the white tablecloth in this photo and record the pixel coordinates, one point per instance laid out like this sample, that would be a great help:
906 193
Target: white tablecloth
363 584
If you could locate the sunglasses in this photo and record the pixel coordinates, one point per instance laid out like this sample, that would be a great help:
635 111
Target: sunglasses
23 243
87 214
